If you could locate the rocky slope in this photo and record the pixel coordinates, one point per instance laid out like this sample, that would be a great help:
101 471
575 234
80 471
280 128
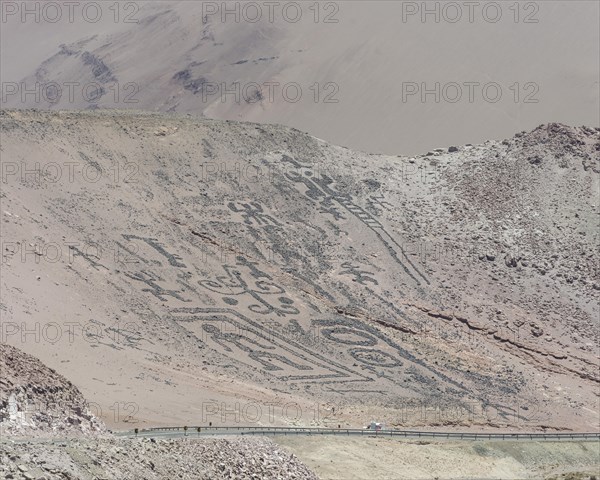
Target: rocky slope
183 270
37 401
232 458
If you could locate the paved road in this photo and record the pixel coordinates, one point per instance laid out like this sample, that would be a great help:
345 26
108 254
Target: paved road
192 431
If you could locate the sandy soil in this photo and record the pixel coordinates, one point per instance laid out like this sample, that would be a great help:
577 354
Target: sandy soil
341 458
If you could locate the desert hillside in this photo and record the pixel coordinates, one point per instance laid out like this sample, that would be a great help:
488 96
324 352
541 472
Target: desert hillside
38 404
182 270
37 401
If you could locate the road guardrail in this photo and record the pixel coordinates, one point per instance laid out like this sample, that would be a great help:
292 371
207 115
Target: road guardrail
204 430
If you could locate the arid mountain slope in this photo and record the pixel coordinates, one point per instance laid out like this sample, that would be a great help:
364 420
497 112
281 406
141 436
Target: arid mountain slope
37 401
184 271
375 76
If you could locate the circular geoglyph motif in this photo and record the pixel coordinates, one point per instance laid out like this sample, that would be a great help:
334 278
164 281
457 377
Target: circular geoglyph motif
375 358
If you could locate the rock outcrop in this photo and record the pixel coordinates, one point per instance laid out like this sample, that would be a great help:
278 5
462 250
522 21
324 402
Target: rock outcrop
37 401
